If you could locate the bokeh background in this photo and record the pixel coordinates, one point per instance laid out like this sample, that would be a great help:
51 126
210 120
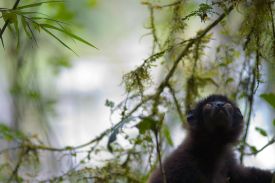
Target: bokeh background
61 96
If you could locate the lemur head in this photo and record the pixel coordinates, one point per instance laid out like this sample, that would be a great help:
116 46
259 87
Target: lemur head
216 115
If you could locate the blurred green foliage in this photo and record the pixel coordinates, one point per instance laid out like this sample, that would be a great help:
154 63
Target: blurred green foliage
214 54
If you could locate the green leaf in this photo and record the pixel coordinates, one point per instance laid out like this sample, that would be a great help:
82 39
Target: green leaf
24 23
273 122
167 135
19 12
204 7
5 132
8 134
229 80
34 95
17 32
9 16
91 3
236 54
109 103
69 148
261 131
138 141
37 4
60 62
269 98
253 149
23 13
49 19
146 124
2 41
68 33
59 40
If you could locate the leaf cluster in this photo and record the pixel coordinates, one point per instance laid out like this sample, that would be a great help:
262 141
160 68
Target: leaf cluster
32 22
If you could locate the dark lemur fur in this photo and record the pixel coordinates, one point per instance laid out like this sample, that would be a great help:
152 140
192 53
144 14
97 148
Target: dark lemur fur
206 155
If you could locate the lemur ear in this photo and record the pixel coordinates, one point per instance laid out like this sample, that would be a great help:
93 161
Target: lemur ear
191 118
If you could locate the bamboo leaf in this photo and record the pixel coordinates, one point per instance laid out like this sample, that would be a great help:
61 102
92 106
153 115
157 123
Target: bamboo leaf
25 12
9 16
37 4
44 18
59 40
22 13
17 32
33 36
68 33
2 41
24 24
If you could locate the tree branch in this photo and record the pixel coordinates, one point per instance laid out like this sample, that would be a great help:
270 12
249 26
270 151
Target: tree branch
250 100
270 142
176 103
14 174
146 99
158 147
185 51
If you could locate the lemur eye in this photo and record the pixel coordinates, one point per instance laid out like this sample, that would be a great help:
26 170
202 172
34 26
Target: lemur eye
207 106
228 107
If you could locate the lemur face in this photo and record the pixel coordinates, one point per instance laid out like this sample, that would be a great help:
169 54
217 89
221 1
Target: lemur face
214 113
218 114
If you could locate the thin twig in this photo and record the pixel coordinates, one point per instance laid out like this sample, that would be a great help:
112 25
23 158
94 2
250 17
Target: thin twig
153 28
250 101
17 166
156 133
272 141
8 149
185 51
176 103
101 136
